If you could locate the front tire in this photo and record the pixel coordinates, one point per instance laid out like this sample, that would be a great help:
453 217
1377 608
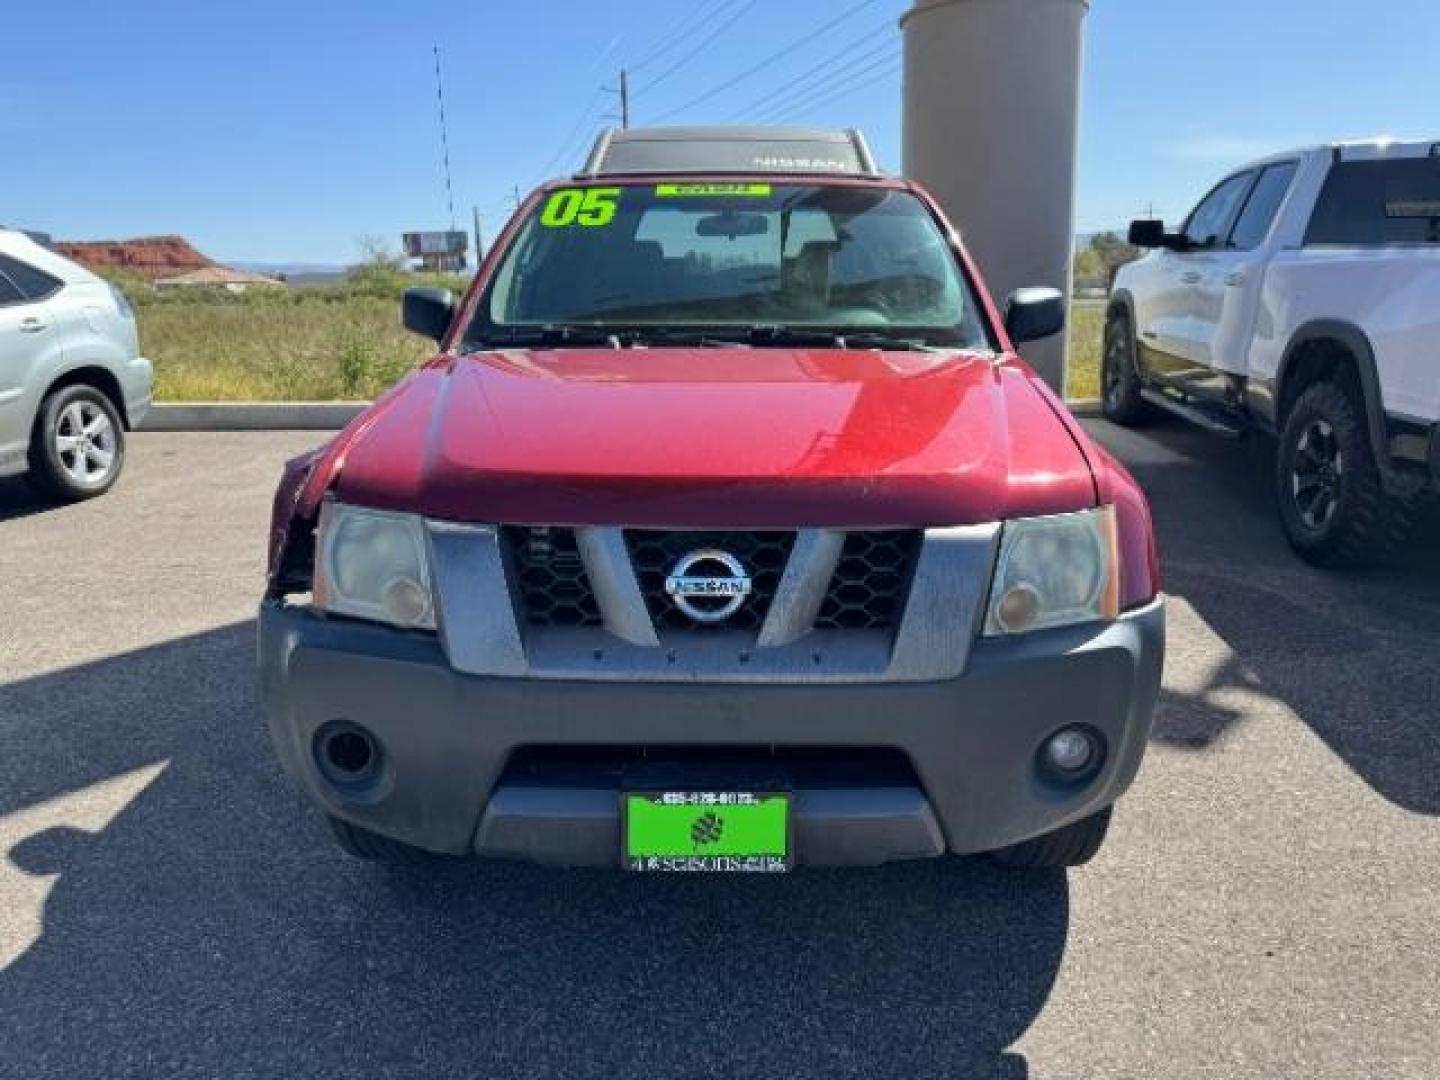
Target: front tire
1073 845
1120 383
77 449
372 847
1333 504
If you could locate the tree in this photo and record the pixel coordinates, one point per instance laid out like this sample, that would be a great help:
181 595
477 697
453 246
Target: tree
376 254
1112 253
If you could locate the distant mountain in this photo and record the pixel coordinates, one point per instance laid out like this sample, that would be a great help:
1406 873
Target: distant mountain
152 256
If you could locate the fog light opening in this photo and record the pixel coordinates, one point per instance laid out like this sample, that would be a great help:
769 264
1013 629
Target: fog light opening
1072 754
347 754
350 752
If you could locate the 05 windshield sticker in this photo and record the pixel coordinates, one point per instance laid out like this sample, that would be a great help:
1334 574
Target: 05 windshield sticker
685 191
589 208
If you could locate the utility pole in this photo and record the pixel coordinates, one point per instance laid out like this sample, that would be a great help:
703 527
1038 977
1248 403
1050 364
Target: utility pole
624 95
444 139
479 239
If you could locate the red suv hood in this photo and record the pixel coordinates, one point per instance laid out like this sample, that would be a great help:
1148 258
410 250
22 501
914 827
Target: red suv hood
712 437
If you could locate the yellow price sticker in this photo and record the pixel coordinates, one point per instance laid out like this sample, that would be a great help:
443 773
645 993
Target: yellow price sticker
683 191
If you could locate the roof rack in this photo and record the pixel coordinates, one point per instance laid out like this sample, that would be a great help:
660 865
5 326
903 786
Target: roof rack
632 151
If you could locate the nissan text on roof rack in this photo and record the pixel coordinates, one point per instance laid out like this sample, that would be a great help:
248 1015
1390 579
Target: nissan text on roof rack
725 532
1299 299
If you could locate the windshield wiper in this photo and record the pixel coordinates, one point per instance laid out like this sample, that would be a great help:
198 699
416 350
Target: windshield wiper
837 339
568 335
718 338
556 334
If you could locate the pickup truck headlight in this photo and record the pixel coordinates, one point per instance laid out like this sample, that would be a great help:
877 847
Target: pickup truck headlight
373 564
1055 571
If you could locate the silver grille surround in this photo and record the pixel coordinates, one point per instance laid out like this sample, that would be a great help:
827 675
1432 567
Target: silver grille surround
482 630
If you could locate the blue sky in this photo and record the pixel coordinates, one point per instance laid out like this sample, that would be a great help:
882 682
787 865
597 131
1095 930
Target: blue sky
286 130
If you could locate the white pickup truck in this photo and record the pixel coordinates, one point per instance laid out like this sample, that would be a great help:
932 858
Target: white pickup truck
1301 297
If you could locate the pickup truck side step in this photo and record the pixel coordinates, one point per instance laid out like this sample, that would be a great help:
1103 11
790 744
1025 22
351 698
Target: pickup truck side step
1212 420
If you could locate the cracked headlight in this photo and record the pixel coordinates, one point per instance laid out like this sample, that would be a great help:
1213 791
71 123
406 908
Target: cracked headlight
373 564
1055 571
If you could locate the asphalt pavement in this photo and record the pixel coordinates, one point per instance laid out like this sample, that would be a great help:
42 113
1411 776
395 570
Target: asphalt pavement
1267 904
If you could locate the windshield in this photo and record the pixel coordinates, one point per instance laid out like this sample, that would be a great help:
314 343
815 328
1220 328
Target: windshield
646 258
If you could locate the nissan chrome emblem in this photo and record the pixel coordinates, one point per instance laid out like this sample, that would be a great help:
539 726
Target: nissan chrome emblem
708 585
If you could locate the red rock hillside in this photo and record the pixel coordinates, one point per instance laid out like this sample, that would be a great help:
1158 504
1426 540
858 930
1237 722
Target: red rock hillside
152 256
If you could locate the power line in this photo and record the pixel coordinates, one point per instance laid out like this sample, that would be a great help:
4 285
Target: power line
676 33
807 98
825 66
781 54
570 137
728 20
893 67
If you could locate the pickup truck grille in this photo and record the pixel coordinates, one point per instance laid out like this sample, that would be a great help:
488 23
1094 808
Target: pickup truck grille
871 581
654 554
866 592
550 577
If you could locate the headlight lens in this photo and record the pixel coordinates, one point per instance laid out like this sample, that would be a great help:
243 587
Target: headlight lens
1055 571
373 564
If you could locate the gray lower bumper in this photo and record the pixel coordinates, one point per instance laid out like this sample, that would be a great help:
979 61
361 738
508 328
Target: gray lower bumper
972 741
580 826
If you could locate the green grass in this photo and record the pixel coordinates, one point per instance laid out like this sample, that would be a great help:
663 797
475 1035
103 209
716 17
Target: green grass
345 342
312 344
1087 330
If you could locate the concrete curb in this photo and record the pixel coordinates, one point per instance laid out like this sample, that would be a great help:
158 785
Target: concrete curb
314 415
252 416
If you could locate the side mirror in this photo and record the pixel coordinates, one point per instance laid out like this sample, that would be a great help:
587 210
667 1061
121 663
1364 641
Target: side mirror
1146 233
1151 234
428 312
1032 314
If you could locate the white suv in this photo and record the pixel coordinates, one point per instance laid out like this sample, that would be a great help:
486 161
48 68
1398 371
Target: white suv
1301 297
72 379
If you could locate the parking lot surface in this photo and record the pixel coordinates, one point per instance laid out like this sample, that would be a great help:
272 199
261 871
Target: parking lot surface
1267 904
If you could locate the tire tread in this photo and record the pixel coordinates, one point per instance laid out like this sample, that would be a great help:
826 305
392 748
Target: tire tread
1073 845
1376 525
372 847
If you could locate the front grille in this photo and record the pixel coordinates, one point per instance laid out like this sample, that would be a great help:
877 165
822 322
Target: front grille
871 581
867 592
554 588
654 554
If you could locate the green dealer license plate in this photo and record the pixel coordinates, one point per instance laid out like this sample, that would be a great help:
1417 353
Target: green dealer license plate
739 832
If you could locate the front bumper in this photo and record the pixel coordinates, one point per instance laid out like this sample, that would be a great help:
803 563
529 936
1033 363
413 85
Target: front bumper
447 737
137 381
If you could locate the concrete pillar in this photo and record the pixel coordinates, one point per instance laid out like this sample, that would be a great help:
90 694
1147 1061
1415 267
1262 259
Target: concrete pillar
992 96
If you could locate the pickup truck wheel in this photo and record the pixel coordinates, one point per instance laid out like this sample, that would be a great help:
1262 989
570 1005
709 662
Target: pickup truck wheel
1120 386
1074 845
78 446
1333 505
372 847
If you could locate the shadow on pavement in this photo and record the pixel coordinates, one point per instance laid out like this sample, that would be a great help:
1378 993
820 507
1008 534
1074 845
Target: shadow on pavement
210 928
19 500
1352 654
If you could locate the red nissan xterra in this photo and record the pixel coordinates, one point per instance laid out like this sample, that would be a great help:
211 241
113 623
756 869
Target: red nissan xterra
726 531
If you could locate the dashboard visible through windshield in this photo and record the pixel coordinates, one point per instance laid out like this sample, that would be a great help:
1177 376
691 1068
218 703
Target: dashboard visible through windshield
655 260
